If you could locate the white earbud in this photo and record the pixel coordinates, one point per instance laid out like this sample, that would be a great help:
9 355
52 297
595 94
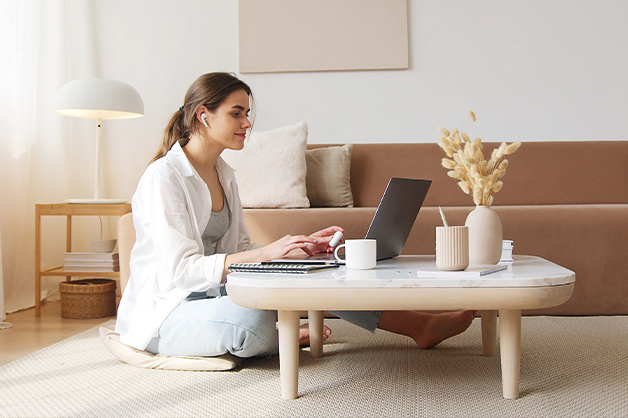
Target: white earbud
204 116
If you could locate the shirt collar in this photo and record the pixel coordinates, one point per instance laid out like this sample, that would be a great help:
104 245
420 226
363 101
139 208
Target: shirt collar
185 167
180 161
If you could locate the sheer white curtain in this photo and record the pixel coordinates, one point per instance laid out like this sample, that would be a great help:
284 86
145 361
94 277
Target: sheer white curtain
44 44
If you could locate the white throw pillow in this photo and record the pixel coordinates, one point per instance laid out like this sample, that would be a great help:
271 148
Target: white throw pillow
140 358
270 170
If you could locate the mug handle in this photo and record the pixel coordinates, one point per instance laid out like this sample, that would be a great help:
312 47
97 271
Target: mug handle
336 253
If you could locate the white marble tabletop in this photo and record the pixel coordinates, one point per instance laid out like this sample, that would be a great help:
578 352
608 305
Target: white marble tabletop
414 271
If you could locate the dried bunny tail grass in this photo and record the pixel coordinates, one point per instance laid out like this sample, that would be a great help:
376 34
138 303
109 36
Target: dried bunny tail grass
469 161
488 187
458 157
501 150
482 166
477 176
512 147
478 155
455 143
444 144
449 164
477 196
454 175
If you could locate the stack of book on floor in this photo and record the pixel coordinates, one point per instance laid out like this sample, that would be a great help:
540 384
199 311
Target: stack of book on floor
91 262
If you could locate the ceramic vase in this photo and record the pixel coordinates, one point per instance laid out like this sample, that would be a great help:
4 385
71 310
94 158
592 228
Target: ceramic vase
485 236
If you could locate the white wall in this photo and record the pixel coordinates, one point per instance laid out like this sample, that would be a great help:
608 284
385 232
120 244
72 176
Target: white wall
530 69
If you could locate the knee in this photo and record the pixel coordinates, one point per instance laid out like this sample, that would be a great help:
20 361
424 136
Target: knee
257 336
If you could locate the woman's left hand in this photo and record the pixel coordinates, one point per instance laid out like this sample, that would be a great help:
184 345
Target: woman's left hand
324 236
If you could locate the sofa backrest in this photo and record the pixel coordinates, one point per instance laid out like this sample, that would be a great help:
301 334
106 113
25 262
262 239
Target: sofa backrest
539 173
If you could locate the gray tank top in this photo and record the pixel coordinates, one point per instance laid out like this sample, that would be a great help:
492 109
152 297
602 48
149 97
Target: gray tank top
217 227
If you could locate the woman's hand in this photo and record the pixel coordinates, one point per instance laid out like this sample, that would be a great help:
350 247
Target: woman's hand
324 236
284 245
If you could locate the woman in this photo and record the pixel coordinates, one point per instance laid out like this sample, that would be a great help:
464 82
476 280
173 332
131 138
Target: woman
188 220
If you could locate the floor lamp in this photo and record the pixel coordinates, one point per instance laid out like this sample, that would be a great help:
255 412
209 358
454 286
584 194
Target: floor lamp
98 98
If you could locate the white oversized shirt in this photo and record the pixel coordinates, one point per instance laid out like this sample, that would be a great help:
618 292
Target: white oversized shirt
171 208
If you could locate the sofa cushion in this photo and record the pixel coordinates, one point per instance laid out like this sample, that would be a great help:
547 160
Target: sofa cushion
327 180
271 168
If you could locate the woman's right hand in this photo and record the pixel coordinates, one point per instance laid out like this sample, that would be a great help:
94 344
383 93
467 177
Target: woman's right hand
284 245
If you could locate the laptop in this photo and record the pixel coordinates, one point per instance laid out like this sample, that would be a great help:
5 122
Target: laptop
391 224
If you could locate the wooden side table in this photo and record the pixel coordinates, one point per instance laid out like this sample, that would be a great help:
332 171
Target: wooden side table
69 210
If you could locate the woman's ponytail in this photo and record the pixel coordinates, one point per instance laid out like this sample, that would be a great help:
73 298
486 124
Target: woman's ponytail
175 131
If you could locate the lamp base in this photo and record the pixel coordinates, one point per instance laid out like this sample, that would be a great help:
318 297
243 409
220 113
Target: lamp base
97 201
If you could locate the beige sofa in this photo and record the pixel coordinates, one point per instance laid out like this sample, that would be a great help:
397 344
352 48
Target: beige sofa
564 201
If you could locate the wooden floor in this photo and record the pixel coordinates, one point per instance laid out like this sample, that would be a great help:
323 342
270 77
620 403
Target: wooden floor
29 334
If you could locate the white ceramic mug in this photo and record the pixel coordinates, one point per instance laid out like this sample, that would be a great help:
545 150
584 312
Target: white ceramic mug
360 254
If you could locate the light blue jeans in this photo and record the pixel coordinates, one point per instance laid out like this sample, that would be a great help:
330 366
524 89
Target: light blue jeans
208 327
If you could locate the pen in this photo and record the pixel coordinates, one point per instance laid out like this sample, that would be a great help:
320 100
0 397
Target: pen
442 215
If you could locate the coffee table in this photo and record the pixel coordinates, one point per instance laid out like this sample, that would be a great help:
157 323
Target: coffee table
528 283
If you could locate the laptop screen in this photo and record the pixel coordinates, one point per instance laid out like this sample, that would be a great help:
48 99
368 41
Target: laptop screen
396 214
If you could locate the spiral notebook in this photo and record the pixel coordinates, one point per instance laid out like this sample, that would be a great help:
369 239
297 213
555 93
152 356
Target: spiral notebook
285 268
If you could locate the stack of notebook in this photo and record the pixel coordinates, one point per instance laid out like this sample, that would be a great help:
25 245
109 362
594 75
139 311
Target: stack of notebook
96 262
507 251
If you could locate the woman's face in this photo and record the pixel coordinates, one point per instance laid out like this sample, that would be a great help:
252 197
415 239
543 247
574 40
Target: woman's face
228 124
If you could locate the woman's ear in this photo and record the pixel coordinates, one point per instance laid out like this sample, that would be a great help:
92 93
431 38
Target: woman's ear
201 115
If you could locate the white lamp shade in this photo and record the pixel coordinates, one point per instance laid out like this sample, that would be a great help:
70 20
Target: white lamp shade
99 98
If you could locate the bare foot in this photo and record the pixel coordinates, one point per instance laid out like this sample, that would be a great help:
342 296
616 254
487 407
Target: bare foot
304 334
438 328
427 330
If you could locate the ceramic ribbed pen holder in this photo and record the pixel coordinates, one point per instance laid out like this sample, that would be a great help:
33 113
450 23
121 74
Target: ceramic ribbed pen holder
452 247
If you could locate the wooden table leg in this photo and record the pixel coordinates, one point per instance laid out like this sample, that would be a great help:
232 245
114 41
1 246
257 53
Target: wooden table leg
68 240
37 262
288 327
489 332
510 339
316 321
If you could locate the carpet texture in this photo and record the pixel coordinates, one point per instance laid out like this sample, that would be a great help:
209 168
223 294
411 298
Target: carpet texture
570 367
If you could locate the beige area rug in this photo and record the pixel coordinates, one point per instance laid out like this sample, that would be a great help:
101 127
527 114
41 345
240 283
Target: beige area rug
570 367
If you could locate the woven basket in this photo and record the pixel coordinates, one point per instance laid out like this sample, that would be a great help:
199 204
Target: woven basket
89 298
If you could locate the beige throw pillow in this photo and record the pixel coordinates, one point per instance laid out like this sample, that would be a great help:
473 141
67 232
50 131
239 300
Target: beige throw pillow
270 170
327 180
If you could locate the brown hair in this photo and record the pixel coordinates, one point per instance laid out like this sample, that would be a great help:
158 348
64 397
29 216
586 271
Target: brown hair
209 90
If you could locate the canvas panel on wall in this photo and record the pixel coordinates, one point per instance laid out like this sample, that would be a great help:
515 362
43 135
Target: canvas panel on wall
322 35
